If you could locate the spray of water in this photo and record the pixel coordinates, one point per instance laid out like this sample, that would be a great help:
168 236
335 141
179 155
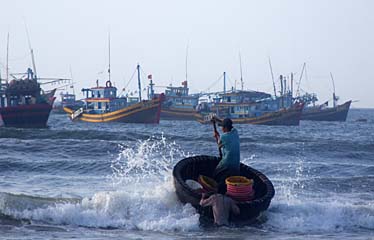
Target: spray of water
152 159
143 197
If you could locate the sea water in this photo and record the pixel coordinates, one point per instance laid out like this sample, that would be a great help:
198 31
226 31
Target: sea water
114 180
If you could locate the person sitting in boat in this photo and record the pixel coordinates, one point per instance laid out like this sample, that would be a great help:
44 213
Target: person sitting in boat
229 143
222 206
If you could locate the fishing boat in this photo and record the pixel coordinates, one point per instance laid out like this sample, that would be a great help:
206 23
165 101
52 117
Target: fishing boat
192 167
323 112
103 105
24 104
179 104
253 107
286 117
337 113
67 100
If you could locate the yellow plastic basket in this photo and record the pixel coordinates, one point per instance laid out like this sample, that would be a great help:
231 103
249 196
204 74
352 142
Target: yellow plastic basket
238 181
208 183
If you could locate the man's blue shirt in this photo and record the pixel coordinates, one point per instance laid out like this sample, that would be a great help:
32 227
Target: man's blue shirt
230 150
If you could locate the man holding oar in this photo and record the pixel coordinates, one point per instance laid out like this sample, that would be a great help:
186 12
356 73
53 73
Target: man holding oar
229 147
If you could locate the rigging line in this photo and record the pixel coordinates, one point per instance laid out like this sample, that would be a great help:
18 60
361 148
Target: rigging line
228 78
132 76
214 83
31 50
145 76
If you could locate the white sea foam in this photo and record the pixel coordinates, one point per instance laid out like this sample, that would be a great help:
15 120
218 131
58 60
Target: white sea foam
143 197
292 210
306 215
155 209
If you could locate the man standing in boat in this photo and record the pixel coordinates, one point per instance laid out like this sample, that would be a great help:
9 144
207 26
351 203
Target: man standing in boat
229 144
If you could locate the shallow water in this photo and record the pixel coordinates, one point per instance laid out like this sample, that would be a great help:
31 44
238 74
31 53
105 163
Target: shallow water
95 181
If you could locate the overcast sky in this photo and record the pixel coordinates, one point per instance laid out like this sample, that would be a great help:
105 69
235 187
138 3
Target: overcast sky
330 36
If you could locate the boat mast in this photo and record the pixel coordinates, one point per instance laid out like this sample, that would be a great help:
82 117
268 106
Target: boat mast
301 76
7 60
272 77
241 72
32 53
281 92
109 55
291 86
224 82
139 84
187 60
71 76
333 94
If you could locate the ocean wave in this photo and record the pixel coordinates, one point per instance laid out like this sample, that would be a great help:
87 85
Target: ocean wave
311 216
155 208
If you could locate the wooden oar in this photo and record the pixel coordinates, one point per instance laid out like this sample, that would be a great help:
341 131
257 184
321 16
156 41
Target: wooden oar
215 130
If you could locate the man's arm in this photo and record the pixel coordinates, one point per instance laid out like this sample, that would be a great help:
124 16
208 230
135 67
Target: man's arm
207 201
216 119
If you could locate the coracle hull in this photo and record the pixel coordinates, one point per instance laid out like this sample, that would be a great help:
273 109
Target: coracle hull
192 167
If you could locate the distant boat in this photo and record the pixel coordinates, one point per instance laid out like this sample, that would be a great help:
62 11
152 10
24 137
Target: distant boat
67 100
24 104
178 104
323 113
103 105
285 117
252 107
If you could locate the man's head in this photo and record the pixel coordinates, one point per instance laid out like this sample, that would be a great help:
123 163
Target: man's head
226 125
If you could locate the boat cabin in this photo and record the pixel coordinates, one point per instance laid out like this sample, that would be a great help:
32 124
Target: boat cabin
178 97
67 98
239 104
22 91
104 99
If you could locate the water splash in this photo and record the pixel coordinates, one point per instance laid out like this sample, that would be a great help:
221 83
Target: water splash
143 197
151 159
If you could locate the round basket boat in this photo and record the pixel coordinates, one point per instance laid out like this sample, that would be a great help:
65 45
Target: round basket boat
192 167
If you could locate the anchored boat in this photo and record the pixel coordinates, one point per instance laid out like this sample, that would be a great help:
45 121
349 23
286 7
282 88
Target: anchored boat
178 104
103 105
67 100
286 117
191 168
24 104
252 107
322 113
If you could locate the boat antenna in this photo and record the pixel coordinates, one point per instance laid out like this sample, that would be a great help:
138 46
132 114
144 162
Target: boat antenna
272 77
7 60
187 59
333 94
224 82
31 51
301 76
281 92
139 84
71 76
109 55
241 72
291 85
